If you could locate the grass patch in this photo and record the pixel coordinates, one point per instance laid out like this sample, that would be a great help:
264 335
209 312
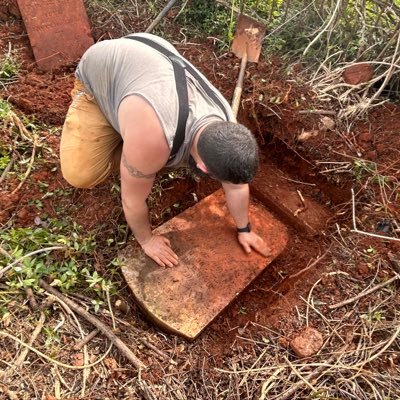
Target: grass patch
9 67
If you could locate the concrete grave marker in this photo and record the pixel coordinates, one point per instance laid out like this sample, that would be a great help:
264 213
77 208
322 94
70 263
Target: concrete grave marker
213 268
58 30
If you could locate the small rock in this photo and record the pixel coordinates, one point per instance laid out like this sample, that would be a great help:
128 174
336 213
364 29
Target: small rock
328 124
307 343
122 306
283 342
306 135
371 155
22 213
365 137
363 270
359 73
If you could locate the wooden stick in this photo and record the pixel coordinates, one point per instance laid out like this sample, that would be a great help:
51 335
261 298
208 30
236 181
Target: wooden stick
124 349
302 271
365 293
87 339
35 334
322 112
21 358
315 374
31 298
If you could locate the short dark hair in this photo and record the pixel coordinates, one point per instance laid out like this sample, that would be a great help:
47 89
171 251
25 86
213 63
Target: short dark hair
229 151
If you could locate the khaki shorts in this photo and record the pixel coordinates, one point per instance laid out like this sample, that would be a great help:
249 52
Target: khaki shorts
90 148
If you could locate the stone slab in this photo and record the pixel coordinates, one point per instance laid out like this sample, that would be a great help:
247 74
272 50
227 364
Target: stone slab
58 31
279 193
213 268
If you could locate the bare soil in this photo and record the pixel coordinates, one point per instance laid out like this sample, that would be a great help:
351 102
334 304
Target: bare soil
275 298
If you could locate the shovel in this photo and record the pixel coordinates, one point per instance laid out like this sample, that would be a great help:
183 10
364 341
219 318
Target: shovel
246 45
160 16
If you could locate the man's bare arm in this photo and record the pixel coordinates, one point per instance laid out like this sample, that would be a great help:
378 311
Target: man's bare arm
135 187
145 151
134 172
237 199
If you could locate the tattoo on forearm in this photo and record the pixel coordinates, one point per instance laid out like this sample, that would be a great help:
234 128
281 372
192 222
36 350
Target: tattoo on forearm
135 172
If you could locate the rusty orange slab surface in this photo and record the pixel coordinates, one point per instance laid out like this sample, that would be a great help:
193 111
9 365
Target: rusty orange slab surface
212 271
58 31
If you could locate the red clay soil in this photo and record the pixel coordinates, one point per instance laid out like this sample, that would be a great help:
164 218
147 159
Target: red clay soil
271 300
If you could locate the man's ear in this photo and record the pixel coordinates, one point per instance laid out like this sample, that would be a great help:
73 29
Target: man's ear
202 167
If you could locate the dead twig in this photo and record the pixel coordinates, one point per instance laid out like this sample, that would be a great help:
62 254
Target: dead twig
364 293
11 395
320 112
315 374
303 207
6 170
52 360
21 358
158 352
312 265
31 298
86 339
28 171
124 349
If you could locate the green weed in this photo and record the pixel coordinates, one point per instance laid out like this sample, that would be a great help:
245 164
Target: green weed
69 268
204 17
362 169
5 110
9 67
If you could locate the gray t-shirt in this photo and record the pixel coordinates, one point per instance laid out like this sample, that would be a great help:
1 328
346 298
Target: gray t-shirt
114 69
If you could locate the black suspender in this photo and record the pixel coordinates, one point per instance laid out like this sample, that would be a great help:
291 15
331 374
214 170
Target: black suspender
180 64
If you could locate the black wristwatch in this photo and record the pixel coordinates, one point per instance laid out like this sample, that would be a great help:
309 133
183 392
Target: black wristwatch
247 228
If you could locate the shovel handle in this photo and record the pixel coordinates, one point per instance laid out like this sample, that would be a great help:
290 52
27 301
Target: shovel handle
237 94
160 16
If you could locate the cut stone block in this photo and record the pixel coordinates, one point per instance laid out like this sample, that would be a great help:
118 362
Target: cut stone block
58 31
212 271
280 196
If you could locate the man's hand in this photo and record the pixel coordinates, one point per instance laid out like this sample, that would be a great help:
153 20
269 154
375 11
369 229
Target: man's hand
250 240
159 249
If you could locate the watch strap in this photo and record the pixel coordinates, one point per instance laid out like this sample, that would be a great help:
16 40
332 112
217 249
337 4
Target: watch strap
247 229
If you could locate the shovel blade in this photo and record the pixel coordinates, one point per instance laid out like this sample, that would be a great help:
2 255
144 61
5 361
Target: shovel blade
248 38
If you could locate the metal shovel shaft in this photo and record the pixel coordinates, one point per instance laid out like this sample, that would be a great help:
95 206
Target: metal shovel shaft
237 94
160 16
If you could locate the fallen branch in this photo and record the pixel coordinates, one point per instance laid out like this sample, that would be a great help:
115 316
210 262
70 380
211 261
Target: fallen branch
124 349
365 293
